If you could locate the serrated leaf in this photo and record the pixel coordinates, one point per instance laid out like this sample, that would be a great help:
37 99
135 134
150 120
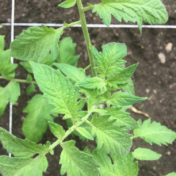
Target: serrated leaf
10 93
60 92
120 99
56 129
35 43
114 140
109 62
19 147
83 131
145 154
136 11
36 122
23 167
121 166
94 83
77 163
7 69
154 132
171 174
73 73
67 3
67 51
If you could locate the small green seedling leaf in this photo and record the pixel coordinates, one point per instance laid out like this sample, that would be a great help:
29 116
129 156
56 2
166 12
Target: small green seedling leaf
59 91
2 42
39 113
16 166
35 43
136 11
19 147
67 51
145 154
154 132
72 72
77 163
56 129
67 3
114 140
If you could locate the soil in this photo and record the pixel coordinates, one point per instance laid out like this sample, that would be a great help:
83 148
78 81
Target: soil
154 78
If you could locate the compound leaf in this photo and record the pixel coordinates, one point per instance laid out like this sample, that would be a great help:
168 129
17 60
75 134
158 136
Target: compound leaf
145 154
149 11
67 51
35 43
77 163
36 123
73 73
109 62
57 89
67 3
19 147
154 132
114 140
23 167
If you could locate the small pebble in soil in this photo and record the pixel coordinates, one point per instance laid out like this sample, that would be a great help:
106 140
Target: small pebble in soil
169 47
147 90
162 58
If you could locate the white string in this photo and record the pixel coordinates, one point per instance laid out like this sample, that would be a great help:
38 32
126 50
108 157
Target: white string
12 61
93 25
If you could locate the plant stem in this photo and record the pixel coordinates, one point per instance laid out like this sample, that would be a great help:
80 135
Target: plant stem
71 24
18 80
86 34
87 8
69 131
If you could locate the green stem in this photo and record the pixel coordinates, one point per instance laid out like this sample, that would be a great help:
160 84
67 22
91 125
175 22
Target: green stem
87 8
71 24
69 131
18 80
86 34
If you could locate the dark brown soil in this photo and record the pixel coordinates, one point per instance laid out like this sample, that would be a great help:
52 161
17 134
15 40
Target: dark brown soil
154 78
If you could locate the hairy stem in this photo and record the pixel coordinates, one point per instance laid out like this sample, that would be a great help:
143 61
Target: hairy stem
70 130
18 80
86 34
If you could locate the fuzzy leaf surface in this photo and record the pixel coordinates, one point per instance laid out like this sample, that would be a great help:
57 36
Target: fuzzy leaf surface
109 62
114 140
67 51
23 167
121 166
77 163
36 123
60 92
35 43
145 154
154 132
19 147
136 11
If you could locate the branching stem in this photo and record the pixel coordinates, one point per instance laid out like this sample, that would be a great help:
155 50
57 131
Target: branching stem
86 34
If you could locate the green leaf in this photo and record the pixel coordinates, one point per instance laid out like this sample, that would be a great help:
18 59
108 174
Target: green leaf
30 89
23 167
171 174
154 132
67 3
35 43
67 51
77 163
114 140
120 99
19 147
56 129
58 90
73 73
109 62
149 11
121 166
83 131
10 93
94 83
7 69
2 42
36 123
145 154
